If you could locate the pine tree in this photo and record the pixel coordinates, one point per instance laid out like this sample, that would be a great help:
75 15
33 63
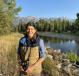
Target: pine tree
8 12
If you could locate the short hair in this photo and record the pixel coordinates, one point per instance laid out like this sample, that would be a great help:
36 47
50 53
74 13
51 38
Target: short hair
30 24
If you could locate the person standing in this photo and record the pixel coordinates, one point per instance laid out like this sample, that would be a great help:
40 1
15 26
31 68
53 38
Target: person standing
31 52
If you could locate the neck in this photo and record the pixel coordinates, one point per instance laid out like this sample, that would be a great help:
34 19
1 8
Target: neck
30 38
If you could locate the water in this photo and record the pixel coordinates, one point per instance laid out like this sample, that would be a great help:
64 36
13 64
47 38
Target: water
64 45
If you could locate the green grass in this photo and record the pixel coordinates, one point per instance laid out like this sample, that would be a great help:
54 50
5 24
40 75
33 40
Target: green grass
72 56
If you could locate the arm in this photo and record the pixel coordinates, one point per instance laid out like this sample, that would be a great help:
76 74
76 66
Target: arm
40 60
18 57
18 53
21 44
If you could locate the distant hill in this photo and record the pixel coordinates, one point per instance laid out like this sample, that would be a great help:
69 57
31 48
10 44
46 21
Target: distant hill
24 20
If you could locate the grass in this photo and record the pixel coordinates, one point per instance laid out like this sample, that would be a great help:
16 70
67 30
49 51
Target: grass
72 57
8 54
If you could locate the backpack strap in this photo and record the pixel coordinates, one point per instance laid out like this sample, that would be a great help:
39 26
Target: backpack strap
27 54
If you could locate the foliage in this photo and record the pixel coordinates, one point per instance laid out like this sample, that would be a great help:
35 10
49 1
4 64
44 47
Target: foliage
8 54
77 22
59 25
51 25
8 11
72 56
49 68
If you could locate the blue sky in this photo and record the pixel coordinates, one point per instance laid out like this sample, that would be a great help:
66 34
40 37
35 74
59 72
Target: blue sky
49 8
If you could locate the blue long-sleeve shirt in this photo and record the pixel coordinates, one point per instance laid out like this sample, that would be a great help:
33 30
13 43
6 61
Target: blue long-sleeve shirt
23 41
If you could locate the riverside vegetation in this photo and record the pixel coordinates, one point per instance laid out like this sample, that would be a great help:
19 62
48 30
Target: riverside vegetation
55 64
8 54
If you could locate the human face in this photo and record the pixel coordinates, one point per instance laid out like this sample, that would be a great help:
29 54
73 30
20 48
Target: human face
30 31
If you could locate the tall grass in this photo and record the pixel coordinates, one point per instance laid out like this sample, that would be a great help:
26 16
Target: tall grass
72 56
8 54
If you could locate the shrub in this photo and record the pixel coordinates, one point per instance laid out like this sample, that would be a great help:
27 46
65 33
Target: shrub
72 56
49 68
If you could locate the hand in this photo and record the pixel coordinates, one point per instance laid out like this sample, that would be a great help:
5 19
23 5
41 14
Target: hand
29 69
20 68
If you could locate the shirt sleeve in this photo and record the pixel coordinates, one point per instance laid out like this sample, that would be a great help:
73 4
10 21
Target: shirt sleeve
18 53
42 49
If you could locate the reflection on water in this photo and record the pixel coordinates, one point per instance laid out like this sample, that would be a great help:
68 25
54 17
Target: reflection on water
63 44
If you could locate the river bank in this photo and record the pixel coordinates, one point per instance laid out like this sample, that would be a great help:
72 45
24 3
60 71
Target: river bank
60 35
59 65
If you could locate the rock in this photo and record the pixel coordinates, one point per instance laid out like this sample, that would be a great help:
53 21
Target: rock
57 51
59 66
77 63
64 56
50 56
65 62
49 51
76 72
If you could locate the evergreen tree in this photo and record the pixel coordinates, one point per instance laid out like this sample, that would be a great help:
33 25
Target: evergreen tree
8 12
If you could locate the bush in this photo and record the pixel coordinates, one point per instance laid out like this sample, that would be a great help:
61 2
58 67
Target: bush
49 68
72 56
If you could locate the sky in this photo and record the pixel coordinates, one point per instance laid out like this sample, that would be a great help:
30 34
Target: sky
49 8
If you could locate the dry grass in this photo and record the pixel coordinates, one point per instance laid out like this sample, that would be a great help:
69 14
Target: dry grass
8 54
